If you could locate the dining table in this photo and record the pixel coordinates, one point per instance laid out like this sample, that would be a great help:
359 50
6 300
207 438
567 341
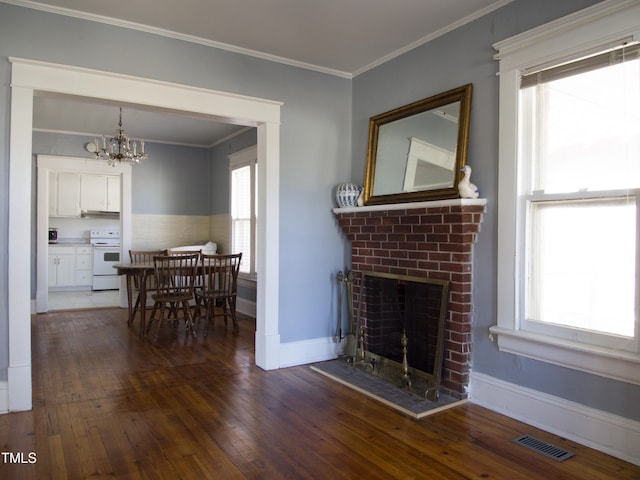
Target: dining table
141 271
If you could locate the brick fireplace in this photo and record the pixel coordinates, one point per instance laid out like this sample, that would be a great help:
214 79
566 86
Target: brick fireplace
428 239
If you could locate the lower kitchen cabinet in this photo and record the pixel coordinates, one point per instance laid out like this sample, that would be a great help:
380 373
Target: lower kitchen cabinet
70 266
84 265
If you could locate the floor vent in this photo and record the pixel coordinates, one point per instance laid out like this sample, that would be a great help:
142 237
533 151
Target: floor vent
546 449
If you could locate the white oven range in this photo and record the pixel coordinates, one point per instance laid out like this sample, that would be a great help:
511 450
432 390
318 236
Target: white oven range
106 253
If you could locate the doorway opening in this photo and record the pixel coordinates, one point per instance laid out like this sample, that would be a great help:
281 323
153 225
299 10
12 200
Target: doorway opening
29 77
66 300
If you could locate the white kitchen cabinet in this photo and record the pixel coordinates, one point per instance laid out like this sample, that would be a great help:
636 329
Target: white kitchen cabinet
113 193
84 266
64 194
70 266
62 266
93 192
100 193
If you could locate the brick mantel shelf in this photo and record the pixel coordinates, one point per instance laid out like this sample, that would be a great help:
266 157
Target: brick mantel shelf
431 239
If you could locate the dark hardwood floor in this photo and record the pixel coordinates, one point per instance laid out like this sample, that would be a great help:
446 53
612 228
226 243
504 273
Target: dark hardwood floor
108 404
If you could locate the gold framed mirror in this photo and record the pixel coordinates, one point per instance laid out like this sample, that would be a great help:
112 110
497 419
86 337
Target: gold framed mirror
415 152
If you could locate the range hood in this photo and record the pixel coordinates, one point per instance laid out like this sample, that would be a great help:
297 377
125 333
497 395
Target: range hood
100 214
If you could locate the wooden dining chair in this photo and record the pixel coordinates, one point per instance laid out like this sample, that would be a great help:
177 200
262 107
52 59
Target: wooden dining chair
219 291
198 279
175 278
143 256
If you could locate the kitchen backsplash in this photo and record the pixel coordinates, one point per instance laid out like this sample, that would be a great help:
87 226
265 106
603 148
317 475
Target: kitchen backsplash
77 228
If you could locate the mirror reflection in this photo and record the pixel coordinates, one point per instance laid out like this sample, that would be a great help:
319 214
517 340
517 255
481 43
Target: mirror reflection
416 151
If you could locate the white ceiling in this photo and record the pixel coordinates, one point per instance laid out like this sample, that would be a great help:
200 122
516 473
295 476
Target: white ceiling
339 37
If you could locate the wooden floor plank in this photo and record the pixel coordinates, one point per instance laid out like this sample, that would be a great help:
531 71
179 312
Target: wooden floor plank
108 404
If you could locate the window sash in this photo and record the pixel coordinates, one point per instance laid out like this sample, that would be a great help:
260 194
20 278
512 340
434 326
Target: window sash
241 231
601 128
537 295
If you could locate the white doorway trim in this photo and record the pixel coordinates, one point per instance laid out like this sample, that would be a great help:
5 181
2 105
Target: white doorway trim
29 77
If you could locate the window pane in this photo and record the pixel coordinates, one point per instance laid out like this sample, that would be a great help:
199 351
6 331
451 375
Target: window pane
243 200
588 131
582 271
242 242
241 192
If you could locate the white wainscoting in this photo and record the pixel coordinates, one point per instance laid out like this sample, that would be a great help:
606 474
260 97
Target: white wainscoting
614 435
151 232
220 231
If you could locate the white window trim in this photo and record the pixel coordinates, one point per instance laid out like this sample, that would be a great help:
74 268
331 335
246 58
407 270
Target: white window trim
587 31
241 158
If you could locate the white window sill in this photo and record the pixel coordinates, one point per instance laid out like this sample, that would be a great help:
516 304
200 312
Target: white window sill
608 363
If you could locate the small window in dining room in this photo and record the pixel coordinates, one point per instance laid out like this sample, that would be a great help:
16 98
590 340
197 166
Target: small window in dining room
243 207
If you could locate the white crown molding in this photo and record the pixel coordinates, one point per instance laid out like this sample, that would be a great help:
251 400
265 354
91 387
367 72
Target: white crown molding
175 35
254 53
433 36
230 136
160 142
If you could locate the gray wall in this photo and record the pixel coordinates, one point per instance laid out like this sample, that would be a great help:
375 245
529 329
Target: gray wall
466 56
175 181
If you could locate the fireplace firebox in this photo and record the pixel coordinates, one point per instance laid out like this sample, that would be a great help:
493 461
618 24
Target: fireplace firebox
400 325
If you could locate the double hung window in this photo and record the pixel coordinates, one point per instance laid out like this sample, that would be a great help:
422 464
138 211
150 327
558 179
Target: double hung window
569 212
243 203
579 134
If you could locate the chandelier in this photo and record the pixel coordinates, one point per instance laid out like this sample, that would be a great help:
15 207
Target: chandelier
120 149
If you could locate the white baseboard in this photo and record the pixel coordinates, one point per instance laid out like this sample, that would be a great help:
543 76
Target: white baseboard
4 397
614 435
309 351
246 307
